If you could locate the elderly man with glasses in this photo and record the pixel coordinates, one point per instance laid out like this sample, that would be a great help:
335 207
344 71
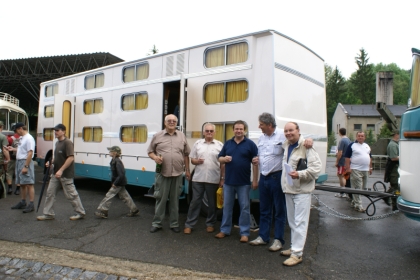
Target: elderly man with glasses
170 150
208 176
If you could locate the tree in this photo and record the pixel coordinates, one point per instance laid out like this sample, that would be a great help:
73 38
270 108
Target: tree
401 81
335 91
384 132
363 82
370 138
153 51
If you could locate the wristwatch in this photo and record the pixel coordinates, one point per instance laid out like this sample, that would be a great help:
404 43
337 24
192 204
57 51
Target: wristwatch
222 178
26 166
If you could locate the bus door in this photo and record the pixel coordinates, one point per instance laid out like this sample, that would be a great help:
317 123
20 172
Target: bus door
64 113
172 100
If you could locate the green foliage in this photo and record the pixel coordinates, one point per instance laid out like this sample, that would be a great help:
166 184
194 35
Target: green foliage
331 140
384 132
401 81
351 136
362 83
370 137
335 91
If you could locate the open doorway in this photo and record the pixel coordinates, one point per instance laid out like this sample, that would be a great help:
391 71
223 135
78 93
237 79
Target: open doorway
171 100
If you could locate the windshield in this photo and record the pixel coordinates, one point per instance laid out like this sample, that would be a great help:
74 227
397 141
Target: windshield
415 80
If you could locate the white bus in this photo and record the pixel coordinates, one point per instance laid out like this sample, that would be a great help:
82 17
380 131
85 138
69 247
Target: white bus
11 113
220 82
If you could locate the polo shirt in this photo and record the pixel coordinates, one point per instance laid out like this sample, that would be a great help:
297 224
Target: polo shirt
238 171
360 156
209 171
393 150
270 152
172 148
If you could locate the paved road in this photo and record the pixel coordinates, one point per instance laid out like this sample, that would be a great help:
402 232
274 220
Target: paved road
335 249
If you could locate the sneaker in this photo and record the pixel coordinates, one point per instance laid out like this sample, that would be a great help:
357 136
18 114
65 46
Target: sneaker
17 191
338 195
286 253
77 217
293 260
29 208
102 214
359 209
275 246
19 205
344 195
132 213
257 241
45 217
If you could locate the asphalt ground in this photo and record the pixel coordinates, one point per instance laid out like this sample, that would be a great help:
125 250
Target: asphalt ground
335 248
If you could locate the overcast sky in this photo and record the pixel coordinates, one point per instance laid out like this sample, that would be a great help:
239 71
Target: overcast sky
335 30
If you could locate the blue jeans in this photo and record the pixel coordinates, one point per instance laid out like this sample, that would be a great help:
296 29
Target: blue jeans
271 195
228 202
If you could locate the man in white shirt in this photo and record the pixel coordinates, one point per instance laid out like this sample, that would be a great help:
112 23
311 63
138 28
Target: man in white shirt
359 168
25 175
208 176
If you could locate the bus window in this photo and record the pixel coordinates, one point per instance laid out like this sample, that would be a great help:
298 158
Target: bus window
133 134
92 134
3 117
48 134
224 131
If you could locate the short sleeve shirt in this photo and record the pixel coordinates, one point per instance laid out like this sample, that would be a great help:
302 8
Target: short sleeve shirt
342 146
360 156
270 152
238 171
393 149
64 149
173 148
3 142
26 144
209 171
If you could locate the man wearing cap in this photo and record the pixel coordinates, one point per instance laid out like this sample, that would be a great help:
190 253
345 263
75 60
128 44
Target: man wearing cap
170 150
391 170
25 176
118 181
63 163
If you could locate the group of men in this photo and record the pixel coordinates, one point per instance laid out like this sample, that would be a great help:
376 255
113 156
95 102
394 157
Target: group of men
216 165
229 166
355 158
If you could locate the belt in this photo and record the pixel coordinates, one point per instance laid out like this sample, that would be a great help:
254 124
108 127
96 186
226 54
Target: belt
272 173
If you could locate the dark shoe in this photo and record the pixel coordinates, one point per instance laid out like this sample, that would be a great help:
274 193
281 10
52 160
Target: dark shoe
134 213
101 214
394 207
17 191
20 205
10 190
154 229
386 200
30 208
175 229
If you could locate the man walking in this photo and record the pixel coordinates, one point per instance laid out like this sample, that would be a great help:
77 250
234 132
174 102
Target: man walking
208 175
360 167
270 156
340 160
391 172
170 150
63 163
25 176
237 154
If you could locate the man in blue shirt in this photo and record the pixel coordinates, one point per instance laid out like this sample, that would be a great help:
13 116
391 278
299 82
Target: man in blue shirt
237 155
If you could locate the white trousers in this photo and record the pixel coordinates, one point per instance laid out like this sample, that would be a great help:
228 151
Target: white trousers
298 210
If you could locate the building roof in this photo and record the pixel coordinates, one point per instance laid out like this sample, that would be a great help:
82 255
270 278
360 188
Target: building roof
370 110
22 77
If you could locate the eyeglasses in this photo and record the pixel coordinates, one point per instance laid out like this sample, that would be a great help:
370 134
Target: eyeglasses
207 131
171 121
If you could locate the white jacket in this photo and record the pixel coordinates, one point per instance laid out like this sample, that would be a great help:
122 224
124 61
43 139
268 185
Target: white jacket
306 181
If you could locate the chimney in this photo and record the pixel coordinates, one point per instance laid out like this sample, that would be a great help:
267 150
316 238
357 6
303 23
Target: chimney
385 87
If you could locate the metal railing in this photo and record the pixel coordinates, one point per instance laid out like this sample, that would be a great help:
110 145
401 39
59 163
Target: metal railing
379 162
7 97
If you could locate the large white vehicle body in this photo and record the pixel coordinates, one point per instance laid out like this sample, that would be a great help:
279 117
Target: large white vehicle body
11 113
409 201
270 73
